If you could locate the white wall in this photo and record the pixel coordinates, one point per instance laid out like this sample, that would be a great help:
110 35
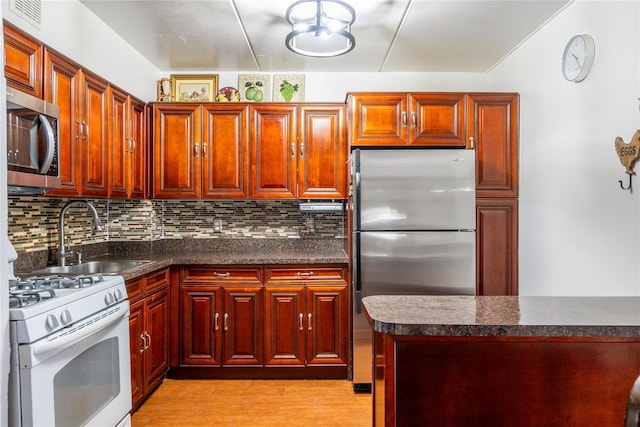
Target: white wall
579 232
70 28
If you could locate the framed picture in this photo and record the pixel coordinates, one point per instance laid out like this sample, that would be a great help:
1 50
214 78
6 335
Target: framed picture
288 87
254 87
165 93
194 87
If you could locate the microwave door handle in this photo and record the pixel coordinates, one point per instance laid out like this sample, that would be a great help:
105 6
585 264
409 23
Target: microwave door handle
51 144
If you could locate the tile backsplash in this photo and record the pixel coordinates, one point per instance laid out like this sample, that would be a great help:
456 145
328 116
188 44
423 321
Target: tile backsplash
33 221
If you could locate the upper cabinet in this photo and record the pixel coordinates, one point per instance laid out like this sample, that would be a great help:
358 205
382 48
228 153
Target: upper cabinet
268 151
200 150
127 145
82 128
401 119
298 151
493 125
22 61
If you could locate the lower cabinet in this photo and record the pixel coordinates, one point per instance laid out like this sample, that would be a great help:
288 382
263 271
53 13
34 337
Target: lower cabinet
263 318
148 333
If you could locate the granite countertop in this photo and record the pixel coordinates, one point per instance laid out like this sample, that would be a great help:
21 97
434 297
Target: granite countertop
493 316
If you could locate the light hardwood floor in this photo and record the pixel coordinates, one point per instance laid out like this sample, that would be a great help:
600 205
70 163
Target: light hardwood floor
255 403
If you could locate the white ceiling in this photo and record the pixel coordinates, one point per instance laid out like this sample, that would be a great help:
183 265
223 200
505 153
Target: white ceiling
391 35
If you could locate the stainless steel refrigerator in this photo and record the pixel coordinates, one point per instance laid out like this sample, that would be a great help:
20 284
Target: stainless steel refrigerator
414 232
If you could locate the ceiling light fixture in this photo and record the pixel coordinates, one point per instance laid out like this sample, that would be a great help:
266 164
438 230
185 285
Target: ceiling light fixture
320 28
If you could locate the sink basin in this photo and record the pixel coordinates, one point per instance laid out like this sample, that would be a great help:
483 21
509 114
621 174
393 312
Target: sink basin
111 266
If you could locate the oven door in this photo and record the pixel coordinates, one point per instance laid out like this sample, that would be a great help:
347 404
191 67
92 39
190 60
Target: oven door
80 378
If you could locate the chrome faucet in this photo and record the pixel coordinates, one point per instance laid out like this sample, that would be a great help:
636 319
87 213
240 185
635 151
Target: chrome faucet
96 225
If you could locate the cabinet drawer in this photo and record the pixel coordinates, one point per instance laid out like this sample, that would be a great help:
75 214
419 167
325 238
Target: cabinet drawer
221 274
134 289
306 273
156 280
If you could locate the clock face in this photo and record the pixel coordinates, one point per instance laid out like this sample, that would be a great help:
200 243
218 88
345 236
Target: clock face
578 58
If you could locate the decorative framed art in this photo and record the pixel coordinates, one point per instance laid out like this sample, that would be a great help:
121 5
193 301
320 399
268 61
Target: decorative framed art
165 93
254 87
194 87
288 87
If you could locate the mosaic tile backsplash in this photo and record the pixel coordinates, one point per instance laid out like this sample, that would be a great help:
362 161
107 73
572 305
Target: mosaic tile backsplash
33 221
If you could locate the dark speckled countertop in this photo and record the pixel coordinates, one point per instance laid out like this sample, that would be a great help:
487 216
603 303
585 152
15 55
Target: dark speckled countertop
504 316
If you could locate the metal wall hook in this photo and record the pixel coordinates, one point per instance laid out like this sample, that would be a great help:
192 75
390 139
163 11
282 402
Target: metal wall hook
629 186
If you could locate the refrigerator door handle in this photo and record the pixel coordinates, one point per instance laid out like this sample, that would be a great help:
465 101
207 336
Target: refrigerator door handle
356 266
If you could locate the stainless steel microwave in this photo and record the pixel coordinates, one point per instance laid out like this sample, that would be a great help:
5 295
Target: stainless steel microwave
32 144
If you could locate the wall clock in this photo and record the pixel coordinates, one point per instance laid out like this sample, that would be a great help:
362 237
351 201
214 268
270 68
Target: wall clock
577 58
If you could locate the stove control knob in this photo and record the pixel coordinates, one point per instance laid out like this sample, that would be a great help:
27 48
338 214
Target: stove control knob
65 317
51 322
118 295
108 298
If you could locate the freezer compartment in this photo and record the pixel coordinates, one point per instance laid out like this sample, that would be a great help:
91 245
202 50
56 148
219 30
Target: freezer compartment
415 190
416 263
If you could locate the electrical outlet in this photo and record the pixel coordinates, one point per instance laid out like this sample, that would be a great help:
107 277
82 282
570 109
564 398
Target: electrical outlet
217 226
311 226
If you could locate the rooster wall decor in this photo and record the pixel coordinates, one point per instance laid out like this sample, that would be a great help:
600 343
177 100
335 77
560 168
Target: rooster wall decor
628 153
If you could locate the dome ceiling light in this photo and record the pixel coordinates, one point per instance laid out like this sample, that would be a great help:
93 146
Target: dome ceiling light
320 28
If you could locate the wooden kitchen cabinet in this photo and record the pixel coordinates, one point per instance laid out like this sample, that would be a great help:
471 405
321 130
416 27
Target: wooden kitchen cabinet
493 125
148 333
200 151
83 126
497 246
221 316
306 316
22 61
401 119
298 151
127 145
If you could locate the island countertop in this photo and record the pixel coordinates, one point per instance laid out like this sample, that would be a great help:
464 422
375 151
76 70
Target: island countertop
495 316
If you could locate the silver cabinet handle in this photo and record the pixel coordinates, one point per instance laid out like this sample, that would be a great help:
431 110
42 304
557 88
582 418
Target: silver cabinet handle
79 128
404 119
472 142
414 119
226 327
300 325
215 322
301 149
293 150
305 274
86 130
144 344
309 327
196 150
204 150
227 274
149 337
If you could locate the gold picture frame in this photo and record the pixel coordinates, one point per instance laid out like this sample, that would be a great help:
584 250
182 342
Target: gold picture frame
194 87
165 94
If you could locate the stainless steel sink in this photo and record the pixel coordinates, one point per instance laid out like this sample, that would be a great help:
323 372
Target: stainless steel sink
111 266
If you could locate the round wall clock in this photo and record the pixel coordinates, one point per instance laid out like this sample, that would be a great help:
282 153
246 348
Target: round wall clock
577 58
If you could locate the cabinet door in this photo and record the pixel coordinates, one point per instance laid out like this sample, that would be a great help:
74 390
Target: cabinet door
437 119
95 151
137 346
62 85
118 143
497 246
224 151
201 325
273 152
242 326
176 151
327 317
322 152
137 125
378 119
285 325
157 334
493 124
22 61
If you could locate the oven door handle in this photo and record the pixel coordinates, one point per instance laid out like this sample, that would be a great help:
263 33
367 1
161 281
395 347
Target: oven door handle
65 341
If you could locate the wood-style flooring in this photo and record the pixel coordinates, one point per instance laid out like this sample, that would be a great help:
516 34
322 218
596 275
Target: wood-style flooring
255 403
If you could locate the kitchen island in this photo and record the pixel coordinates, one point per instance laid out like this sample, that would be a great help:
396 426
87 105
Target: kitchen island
503 361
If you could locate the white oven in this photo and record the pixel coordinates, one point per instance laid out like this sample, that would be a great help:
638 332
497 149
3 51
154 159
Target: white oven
79 374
